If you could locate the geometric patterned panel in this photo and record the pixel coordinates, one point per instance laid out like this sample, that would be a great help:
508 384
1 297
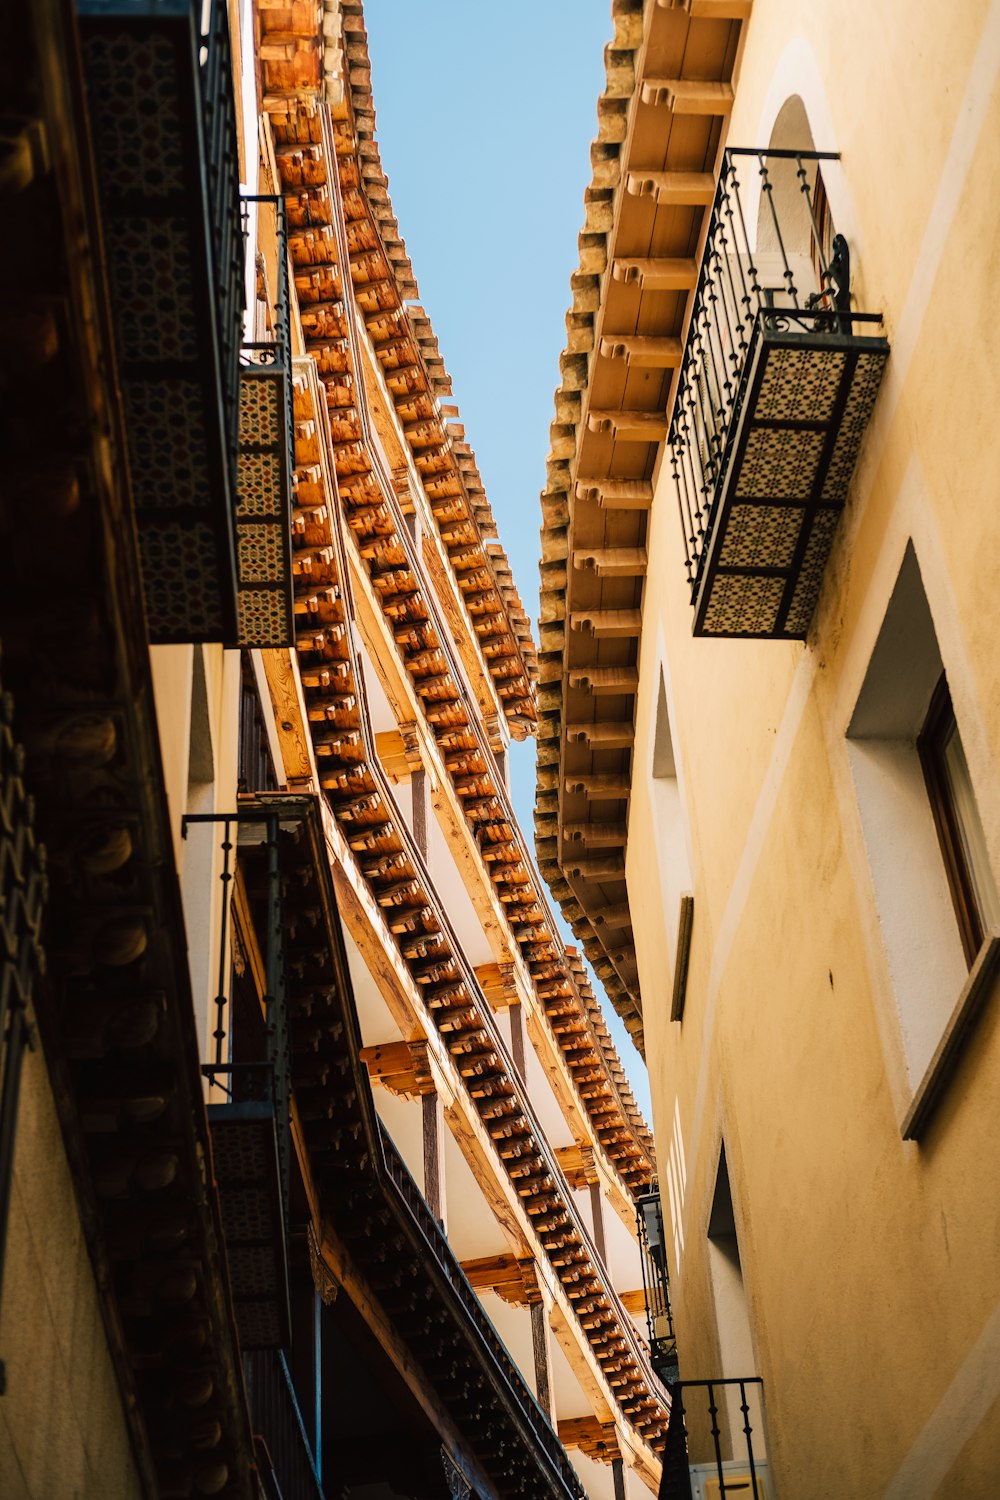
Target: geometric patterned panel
152 270
741 605
165 423
810 576
761 536
135 112
260 553
260 411
259 481
797 380
805 402
779 463
179 576
857 414
245 1162
263 505
263 616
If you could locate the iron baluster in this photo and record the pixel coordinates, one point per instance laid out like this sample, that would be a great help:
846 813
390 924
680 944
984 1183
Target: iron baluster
716 1434
768 189
747 1429
221 1000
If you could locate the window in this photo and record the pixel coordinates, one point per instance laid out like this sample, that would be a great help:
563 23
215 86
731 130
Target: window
959 829
925 844
672 848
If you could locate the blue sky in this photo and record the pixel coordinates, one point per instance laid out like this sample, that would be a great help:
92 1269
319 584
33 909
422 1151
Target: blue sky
485 113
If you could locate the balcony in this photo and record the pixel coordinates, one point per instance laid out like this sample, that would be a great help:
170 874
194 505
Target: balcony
776 388
163 128
266 434
659 1320
248 1074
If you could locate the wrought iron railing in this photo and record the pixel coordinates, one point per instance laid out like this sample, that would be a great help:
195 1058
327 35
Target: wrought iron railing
656 1286
232 1077
770 262
254 761
437 1244
285 1460
722 1423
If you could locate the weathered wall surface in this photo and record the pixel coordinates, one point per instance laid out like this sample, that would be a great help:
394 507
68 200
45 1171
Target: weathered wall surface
871 1263
62 1427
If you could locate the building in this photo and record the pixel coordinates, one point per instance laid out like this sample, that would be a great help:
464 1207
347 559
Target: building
768 798
318 1168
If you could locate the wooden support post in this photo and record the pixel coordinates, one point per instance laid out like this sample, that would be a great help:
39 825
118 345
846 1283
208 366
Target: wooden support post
419 791
517 1038
434 1182
540 1350
618 1475
540 1337
597 1210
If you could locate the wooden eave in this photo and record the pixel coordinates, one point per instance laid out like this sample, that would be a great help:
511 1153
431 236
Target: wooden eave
396 571
381 861
661 124
402 338
373 1235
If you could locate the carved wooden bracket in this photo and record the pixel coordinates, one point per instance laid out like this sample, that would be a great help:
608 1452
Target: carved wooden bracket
403 1068
578 1165
597 1439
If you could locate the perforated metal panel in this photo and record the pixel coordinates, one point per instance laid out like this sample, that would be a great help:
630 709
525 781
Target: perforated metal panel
245 1159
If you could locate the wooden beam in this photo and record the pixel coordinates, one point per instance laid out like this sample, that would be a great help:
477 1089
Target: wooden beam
598 1440
630 426
676 189
608 867
657 274
611 736
577 1164
608 624
500 1274
498 983
613 562
401 1067
616 494
720 10
634 1302
605 680
688 96
600 788
595 835
392 753
643 351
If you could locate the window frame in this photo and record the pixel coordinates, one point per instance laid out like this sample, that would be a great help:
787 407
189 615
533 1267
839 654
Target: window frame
939 723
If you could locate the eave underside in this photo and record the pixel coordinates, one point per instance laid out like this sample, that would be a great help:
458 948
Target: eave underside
654 162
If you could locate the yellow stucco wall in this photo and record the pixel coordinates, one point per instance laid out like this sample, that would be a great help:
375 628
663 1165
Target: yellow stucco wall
62 1427
871 1264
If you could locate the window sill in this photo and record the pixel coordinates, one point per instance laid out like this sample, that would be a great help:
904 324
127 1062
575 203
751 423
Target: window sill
949 1049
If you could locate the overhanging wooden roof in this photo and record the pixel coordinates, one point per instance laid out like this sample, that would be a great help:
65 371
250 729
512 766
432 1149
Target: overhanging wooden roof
661 123
385 293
